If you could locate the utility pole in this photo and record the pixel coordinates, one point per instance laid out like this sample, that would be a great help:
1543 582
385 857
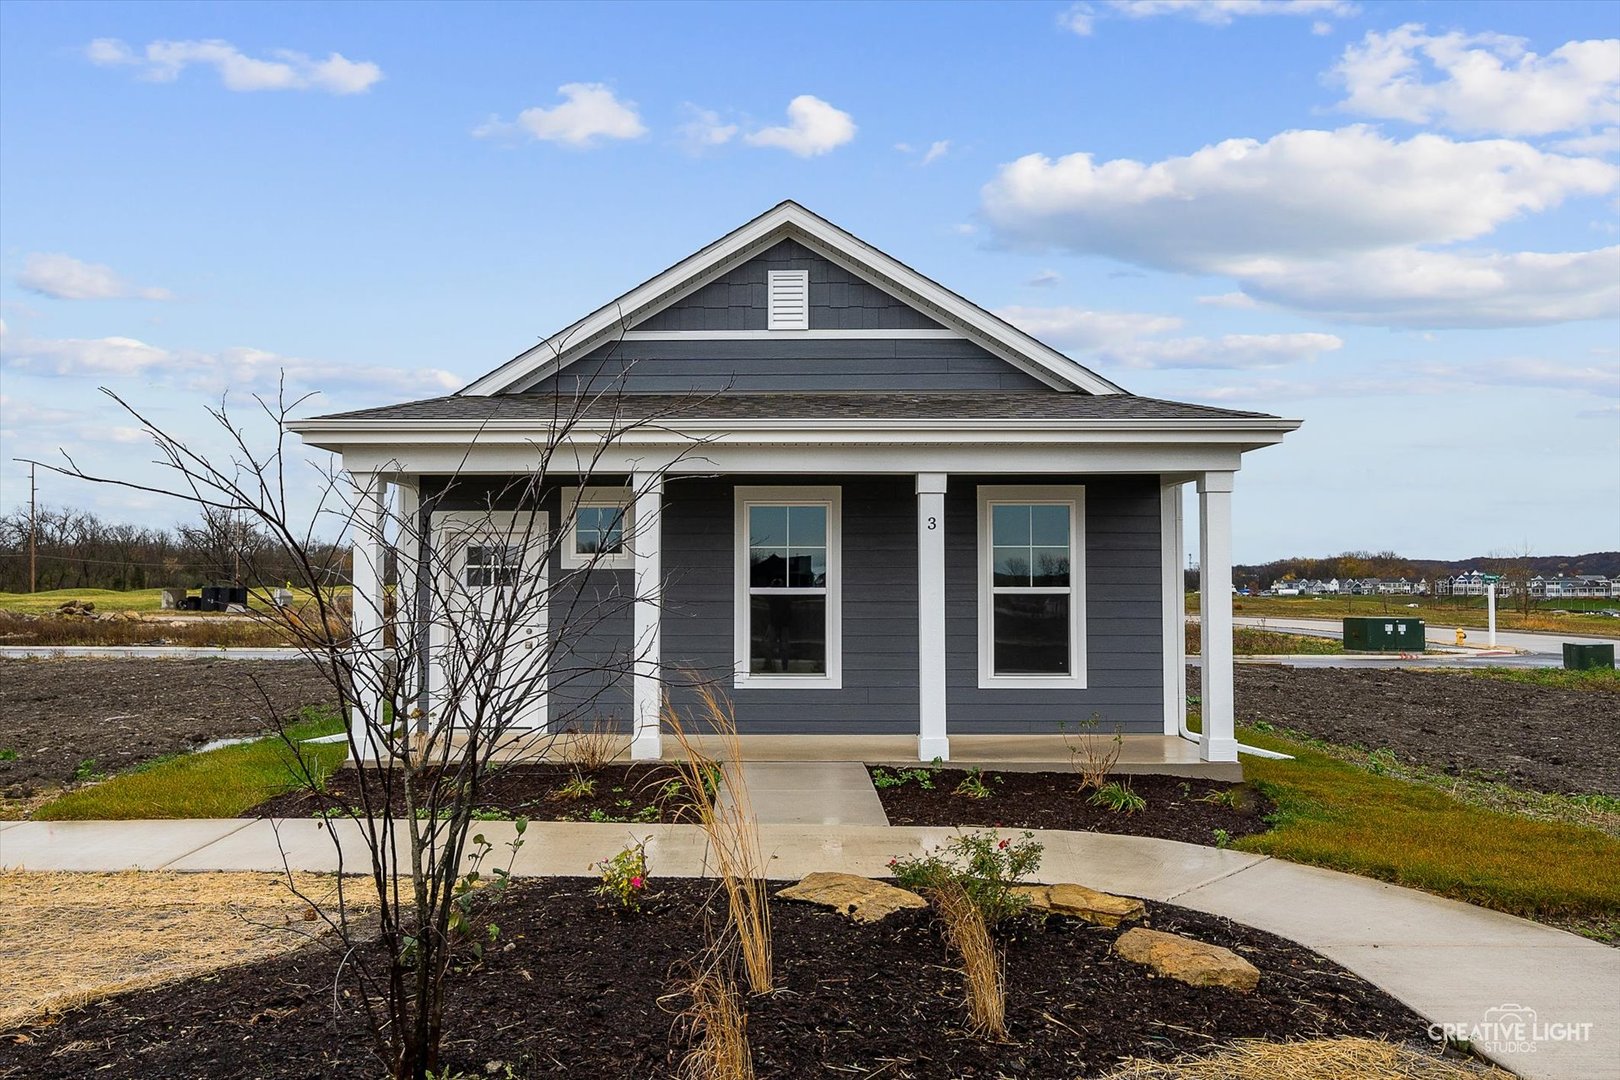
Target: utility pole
33 528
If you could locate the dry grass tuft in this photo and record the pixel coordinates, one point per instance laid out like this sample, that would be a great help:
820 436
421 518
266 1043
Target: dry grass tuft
1092 755
591 745
1319 1059
728 823
716 1027
75 938
982 973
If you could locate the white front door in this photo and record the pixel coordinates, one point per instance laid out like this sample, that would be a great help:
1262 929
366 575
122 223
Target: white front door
488 651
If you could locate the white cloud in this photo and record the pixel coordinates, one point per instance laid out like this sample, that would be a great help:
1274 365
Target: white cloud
1418 288
1531 372
1230 300
1081 18
1332 221
1486 82
238 368
1606 141
163 61
814 127
704 129
63 277
590 113
1045 279
1134 340
936 150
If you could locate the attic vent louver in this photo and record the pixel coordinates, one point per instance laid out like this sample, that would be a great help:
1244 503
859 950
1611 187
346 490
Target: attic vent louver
788 293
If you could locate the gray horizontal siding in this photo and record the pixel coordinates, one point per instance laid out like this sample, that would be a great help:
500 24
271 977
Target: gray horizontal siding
879 695
838 299
673 367
879 598
1124 644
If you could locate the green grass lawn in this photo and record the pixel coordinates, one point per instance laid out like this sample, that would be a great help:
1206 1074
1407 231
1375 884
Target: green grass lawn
1354 817
1247 641
142 600
213 784
1601 679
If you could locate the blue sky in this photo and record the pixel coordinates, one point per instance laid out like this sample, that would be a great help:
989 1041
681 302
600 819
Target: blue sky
1416 249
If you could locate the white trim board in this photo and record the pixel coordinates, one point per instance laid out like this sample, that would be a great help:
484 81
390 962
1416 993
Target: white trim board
789 220
790 335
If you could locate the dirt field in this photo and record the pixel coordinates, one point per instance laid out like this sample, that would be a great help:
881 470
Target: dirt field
56 715
1531 737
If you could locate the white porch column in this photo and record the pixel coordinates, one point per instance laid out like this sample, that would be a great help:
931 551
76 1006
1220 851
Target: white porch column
366 620
1173 611
408 620
646 741
932 741
1218 742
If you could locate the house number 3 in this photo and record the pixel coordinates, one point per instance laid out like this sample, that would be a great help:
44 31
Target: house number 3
933 523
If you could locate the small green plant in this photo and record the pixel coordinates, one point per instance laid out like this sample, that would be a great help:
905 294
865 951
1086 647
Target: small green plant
648 813
88 770
973 786
480 814
885 778
1223 839
671 790
8 754
1231 798
1382 761
573 789
981 864
470 886
1118 797
624 877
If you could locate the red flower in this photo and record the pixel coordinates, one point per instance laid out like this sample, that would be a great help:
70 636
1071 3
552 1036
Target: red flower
1003 845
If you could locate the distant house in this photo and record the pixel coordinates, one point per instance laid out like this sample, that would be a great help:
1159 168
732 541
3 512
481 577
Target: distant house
1582 586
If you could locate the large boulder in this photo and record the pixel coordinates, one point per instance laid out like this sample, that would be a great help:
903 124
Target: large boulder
862 899
1192 962
1079 902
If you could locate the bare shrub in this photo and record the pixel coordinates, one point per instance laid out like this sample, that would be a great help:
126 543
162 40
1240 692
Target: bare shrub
983 976
728 823
590 745
1091 754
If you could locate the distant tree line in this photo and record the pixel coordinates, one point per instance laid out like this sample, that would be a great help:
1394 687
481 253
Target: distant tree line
78 549
1515 567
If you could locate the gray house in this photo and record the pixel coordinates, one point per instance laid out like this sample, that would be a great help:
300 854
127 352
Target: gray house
904 516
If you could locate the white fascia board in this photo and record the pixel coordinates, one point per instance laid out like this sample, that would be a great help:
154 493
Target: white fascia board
849 251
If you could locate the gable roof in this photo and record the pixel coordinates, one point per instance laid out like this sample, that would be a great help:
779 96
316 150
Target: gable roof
790 220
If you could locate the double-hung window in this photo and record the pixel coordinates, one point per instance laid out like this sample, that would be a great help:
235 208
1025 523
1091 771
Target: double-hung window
788 580
1032 586
600 532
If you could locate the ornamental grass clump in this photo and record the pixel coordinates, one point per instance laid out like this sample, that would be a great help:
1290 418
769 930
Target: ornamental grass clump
726 816
1092 755
984 975
716 1025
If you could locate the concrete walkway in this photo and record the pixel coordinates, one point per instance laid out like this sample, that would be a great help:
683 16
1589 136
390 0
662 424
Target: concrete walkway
810 793
1451 962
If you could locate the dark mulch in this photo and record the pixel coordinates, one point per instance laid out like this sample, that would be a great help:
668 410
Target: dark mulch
1176 807
645 793
1533 737
577 995
57 714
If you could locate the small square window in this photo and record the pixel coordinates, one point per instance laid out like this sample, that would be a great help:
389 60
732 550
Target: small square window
600 529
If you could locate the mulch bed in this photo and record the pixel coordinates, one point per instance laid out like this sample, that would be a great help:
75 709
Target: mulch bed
57 714
1176 808
577 994
640 793
1533 737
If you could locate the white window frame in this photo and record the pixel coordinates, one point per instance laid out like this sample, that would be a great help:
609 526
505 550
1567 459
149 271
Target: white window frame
1074 496
796 279
569 556
832 499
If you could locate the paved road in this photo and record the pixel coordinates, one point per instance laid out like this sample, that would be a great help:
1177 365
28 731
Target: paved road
1451 962
142 652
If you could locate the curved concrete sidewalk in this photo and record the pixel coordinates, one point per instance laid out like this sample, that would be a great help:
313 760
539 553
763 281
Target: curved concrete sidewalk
1451 962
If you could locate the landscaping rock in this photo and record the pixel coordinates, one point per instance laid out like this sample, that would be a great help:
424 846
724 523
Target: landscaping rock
1079 902
1189 961
862 899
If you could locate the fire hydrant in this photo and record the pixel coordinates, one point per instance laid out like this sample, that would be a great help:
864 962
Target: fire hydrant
1461 637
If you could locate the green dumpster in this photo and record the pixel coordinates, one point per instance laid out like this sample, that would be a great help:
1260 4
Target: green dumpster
1390 633
1586 657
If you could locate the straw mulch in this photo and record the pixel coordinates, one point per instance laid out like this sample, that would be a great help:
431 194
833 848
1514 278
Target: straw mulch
67 939
1319 1059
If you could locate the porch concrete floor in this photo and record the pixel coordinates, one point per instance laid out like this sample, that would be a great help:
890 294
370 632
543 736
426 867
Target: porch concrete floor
1012 753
